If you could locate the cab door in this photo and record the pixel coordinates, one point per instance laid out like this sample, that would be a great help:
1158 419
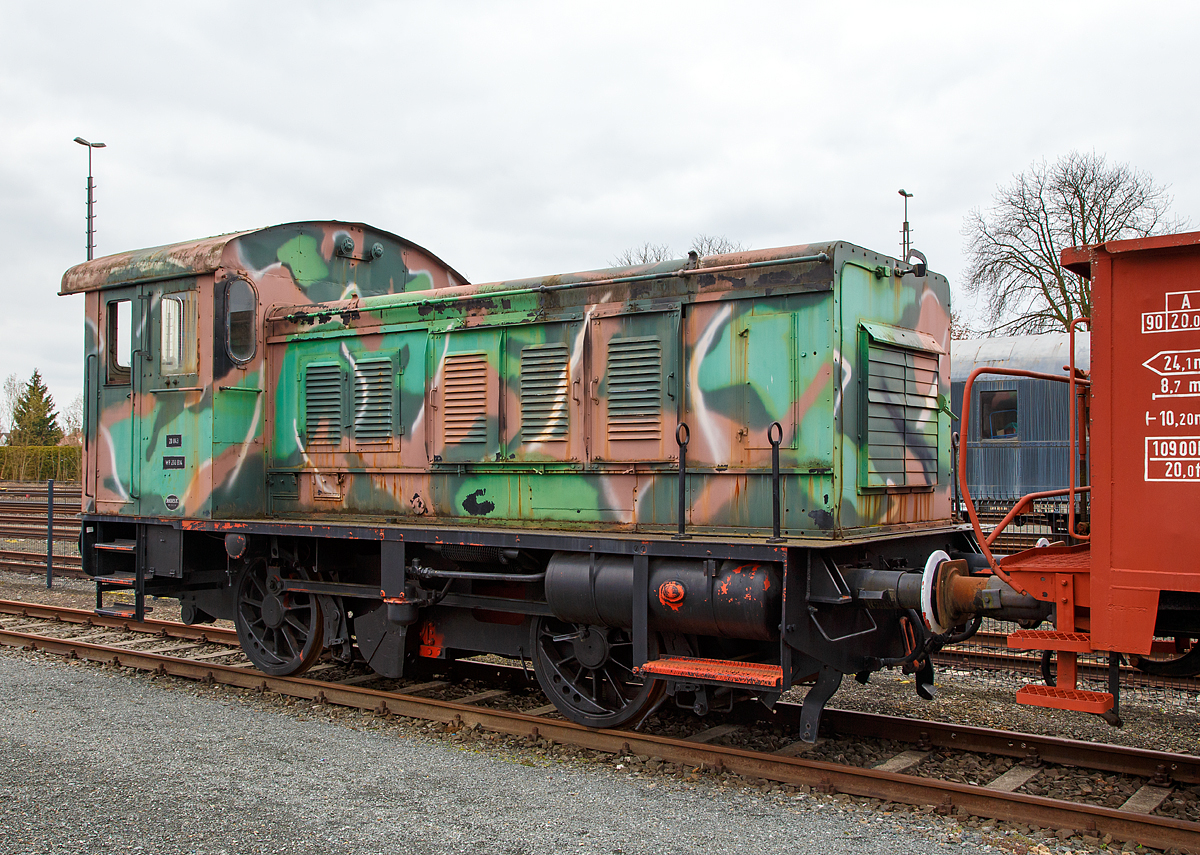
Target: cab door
169 402
114 394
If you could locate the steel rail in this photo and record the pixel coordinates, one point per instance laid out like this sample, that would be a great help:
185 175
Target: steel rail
1182 769
37 531
28 490
22 557
169 628
34 563
1159 832
999 659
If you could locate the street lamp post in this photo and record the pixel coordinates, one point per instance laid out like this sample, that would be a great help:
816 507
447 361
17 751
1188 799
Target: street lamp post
91 187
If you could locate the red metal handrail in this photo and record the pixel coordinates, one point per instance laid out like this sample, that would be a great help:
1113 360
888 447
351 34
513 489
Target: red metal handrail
1071 423
986 542
1024 503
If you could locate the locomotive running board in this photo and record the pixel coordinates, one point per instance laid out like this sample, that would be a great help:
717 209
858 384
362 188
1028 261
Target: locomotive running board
718 671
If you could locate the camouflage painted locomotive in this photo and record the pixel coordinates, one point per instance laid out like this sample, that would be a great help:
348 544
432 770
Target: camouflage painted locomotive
325 434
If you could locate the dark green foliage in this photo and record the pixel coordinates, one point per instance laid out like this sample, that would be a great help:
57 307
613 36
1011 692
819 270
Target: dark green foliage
37 463
35 421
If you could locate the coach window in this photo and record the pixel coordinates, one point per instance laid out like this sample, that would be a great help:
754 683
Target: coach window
241 304
120 341
998 414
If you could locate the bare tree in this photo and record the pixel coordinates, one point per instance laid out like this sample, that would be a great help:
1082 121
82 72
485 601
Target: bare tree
1013 247
72 421
9 393
703 245
960 328
650 253
646 253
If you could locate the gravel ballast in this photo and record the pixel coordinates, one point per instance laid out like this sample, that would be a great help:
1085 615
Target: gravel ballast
95 759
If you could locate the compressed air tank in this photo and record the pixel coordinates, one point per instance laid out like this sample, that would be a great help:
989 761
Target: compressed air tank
726 599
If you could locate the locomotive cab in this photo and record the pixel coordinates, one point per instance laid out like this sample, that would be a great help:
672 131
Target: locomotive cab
175 375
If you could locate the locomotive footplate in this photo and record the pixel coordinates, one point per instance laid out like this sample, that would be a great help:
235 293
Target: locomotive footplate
715 672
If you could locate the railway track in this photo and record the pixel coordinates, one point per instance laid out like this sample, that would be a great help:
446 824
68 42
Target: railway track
35 562
23 517
23 511
908 775
990 651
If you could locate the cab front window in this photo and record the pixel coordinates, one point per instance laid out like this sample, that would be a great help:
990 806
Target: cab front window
177 334
119 330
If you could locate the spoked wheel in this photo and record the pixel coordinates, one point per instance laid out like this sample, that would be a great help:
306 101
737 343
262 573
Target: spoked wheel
281 631
587 671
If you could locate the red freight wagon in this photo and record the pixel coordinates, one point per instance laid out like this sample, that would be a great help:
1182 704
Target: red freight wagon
1133 574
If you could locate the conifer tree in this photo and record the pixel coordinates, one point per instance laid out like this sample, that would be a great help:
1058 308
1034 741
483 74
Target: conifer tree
34 420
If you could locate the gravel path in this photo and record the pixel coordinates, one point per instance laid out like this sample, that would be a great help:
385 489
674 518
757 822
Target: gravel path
97 760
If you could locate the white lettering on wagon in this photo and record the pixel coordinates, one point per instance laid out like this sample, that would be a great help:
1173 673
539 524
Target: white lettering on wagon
1172 458
1181 313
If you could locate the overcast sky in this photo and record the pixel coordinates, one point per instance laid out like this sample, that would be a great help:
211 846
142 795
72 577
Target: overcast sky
517 139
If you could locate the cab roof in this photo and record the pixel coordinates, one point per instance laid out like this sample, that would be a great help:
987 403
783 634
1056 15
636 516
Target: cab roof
195 257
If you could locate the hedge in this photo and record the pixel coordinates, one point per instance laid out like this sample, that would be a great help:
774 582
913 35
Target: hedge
40 463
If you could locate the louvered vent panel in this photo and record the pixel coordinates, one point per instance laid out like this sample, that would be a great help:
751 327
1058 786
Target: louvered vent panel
323 403
465 382
634 389
902 417
373 400
545 390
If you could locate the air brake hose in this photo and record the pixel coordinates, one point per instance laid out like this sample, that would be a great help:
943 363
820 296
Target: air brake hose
918 625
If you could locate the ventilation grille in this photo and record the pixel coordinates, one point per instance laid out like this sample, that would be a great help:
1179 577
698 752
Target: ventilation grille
323 403
902 416
545 388
465 382
634 389
373 400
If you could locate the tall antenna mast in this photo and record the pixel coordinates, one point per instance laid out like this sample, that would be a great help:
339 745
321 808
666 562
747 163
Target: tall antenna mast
905 232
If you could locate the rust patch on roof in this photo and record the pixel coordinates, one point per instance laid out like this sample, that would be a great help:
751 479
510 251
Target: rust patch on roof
159 262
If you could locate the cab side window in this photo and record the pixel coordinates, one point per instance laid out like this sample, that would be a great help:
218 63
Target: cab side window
241 305
119 334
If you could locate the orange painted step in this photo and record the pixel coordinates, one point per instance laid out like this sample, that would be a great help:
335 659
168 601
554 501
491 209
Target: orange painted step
1049 639
1053 559
1065 699
716 671
119 545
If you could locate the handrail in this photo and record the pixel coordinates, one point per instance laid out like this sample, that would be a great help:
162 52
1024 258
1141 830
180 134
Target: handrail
1071 426
986 542
1024 503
